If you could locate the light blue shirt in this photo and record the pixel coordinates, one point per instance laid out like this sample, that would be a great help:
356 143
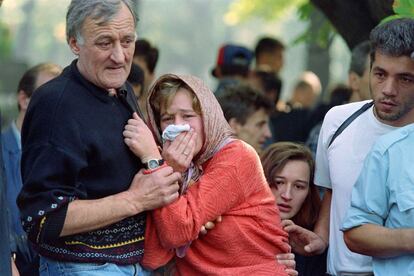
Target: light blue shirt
384 194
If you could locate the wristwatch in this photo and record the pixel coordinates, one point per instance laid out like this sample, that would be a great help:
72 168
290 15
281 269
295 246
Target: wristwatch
153 164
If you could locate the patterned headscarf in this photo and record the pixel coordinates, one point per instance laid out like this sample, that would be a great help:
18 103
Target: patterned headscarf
216 129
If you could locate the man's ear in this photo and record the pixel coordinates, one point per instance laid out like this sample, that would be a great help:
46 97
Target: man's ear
74 47
22 100
235 125
353 80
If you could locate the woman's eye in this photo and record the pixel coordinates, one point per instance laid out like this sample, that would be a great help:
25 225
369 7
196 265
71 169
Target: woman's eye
166 119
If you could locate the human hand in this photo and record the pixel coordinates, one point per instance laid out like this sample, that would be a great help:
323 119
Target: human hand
179 153
209 225
151 191
288 260
303 241
139 139
15 271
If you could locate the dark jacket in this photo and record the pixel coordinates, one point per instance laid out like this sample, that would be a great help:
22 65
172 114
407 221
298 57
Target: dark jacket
73 148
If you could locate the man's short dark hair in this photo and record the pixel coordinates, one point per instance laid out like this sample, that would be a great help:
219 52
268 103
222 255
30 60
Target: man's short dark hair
28 81
148 52
393 38
268 45
241 101
359 57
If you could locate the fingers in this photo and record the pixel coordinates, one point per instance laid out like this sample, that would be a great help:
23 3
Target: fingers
203 230
209 225
291 272
287 222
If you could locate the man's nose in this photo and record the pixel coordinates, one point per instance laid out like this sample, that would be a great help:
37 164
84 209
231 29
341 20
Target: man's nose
390 87
117 54
266 132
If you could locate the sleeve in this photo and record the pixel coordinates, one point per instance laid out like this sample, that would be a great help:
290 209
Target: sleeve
370 195
155 255
322 176
218 190
52 159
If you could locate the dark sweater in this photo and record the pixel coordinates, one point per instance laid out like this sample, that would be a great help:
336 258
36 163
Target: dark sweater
73 148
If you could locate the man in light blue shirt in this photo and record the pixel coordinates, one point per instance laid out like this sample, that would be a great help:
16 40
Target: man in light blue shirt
380 221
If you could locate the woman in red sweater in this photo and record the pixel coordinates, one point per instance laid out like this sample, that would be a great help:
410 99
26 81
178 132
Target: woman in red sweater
222 176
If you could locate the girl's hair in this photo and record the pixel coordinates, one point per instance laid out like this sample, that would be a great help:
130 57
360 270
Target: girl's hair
164 94
274 158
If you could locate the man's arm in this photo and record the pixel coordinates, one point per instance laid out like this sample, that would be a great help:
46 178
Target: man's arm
378 241
322 225
147 192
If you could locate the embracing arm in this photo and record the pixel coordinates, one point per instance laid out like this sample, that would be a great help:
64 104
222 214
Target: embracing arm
147 192
379 241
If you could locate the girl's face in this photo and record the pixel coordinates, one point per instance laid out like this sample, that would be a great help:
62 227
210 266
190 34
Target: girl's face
291 186
181 112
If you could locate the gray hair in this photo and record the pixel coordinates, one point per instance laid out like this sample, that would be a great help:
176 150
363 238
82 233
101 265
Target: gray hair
102 10
359 57
394 38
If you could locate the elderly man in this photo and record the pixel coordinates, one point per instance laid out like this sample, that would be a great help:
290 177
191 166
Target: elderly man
84 197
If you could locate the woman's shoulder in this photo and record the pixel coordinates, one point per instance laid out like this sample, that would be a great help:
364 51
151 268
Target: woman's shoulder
237 147
237 153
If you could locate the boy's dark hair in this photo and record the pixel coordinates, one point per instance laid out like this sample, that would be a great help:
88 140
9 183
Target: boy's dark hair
268 45
241 101
359 56
150 54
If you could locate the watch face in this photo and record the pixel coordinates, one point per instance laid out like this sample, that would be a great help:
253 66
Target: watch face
152 164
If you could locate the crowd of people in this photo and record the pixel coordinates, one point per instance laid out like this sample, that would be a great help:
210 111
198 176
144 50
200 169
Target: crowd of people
110 171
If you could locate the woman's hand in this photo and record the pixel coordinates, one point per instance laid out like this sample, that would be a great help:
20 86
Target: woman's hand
139 139
288 260
179 153
303 241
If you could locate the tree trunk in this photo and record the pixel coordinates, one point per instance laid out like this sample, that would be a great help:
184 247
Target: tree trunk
354 19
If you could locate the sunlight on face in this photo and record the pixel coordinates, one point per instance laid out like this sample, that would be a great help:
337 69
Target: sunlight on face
291 186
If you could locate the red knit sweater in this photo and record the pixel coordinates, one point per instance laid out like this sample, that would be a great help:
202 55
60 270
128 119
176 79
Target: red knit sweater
248 239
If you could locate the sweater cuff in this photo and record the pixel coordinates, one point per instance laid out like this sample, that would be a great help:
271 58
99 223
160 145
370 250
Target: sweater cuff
52 226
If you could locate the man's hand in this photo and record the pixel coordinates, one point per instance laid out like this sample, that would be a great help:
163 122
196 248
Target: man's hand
288 260
140 140
179 153
15 272
160 188
303 241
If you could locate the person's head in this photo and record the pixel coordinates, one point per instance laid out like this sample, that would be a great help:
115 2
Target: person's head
136 79
269 54
307 90
232 61
146 56
102 34
340 94
32 79
182 100
392 71
247 112
289 170
268 83
358 75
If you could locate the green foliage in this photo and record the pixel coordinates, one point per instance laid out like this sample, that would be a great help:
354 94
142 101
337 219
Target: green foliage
401 8
270 10
243 10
